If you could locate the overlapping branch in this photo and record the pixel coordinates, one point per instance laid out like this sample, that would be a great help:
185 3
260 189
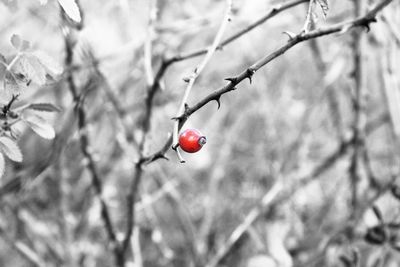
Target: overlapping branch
363 21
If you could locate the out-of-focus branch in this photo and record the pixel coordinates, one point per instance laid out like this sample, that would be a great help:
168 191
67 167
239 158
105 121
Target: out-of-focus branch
331 92
281 192
84 146
363 21
26 252
359 106
393 29
309 24
145 126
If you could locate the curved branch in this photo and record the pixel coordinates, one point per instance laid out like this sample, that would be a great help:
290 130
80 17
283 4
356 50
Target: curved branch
363 21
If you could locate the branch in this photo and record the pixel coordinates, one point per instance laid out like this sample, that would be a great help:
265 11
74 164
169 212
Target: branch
196 73
273 12
281 192
145 126
23 249
84 146
359 106
248 73
310 19
166 63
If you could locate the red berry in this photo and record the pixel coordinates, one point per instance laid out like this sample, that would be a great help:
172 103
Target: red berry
191 140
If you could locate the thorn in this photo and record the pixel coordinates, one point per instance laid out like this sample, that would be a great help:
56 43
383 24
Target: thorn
367 27
164 157
186 79
175 147
250 73
232 80
218 99
186 107
291 35
177 118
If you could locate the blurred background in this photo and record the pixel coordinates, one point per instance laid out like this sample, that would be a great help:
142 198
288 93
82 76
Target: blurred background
282 180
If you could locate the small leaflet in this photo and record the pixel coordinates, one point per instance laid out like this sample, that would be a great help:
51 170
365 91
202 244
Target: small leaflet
71 8
324 6
10 148
40 126
2 165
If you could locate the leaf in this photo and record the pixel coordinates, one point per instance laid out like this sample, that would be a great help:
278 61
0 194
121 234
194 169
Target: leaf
10 83
5 96
2 165
40 126
37 67
47 107
16 41
3 66
19 43
10 149
31 67
324 6
51 66
71 9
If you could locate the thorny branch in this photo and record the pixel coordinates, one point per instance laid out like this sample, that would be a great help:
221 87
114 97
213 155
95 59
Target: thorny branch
167 62
26 252
226 19
363 21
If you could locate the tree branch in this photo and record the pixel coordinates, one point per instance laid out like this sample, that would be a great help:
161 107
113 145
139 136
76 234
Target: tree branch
363 21
84 146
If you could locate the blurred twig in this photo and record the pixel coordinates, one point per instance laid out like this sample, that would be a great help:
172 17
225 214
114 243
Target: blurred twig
84 146
29 254
281 192
359 106
392 28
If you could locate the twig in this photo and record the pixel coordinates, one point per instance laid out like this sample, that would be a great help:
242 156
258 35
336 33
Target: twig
84 146
310 19
393 29
148 44
281 192
136 250
363 21
138 171
329 88
199 69
359 105
273 12
29 254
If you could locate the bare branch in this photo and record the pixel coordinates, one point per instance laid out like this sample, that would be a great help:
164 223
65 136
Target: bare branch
199 69
363 21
